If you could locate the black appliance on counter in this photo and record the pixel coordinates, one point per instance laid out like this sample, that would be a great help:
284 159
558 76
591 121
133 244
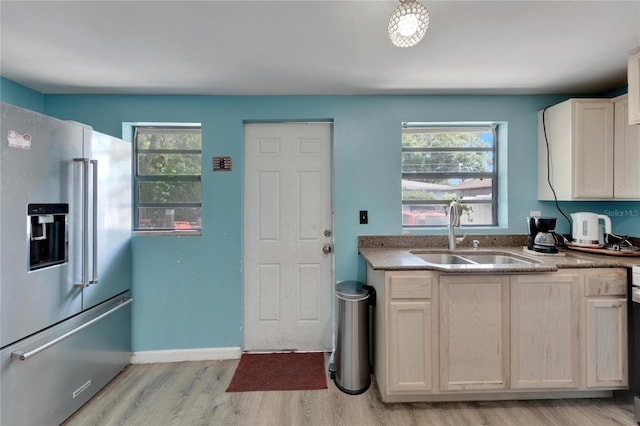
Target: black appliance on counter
541 236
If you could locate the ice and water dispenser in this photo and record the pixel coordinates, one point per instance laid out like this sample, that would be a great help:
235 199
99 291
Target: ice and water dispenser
47 228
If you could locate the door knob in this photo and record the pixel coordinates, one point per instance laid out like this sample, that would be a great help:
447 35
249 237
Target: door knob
326 249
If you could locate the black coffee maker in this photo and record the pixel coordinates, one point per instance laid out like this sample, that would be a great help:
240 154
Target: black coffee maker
541 236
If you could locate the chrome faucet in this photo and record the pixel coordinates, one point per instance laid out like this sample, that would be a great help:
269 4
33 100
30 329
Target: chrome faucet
454 220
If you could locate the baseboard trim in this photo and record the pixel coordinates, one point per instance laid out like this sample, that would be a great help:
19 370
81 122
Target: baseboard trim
178 355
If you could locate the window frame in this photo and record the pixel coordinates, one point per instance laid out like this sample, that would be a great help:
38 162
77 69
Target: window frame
138 179
493 175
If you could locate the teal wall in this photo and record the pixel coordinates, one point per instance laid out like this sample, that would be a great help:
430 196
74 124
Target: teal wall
16 94
188 290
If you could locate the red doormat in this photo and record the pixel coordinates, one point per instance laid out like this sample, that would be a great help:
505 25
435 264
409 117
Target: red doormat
279 371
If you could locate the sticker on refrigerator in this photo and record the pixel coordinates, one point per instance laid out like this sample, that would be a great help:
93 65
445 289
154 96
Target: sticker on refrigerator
18 140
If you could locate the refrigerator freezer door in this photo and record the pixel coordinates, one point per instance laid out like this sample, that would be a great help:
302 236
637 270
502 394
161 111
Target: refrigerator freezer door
52 384
111 162
36 167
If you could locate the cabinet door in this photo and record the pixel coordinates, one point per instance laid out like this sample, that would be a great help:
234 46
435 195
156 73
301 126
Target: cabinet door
592 149
633 76
545 346
410 345
474 331
575 150
626 150
607 343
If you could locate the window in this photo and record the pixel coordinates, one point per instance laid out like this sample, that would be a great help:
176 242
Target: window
443 162
167 186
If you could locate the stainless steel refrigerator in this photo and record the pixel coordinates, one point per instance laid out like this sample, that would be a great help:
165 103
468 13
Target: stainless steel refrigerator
65 278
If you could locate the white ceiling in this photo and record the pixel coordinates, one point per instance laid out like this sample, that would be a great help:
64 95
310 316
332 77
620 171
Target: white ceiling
315 47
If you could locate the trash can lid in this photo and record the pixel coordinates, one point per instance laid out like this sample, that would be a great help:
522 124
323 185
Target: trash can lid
351 290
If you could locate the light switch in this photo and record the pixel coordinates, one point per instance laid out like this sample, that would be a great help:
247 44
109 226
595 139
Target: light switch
364 217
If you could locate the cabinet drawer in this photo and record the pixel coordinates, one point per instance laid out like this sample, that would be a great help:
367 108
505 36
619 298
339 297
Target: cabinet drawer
410 287
606 283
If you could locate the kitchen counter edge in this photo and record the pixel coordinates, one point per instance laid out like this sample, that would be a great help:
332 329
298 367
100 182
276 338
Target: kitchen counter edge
401 259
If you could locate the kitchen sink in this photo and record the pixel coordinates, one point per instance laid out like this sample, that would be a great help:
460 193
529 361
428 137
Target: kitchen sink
442 258
498 259
466 260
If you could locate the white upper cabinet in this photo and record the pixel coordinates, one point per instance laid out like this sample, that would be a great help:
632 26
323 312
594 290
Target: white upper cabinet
626 151
591 151
575 150
633 77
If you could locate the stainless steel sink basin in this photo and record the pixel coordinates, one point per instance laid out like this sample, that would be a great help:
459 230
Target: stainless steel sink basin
467 260
442 258
498 259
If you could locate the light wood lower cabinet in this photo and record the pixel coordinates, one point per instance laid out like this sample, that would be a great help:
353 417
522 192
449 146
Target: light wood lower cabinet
607 343
606 328
474 332
545 319
410 344
409 330
444 337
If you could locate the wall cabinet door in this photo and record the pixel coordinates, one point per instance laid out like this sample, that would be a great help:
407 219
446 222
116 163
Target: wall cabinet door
410 346
588 151
593 150
606 344
545 317
474 332
633 76
626 151
575 150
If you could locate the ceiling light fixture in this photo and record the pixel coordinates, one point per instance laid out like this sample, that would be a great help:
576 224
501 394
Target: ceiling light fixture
408 23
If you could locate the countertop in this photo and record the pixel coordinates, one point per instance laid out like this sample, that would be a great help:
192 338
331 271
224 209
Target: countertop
393 253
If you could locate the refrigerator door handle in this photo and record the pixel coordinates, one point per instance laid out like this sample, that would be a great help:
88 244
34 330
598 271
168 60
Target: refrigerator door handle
23 356
94 279
84 181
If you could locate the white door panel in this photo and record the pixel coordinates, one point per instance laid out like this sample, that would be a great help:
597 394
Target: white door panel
287 209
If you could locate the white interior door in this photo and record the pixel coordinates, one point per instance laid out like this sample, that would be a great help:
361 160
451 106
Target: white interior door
288 277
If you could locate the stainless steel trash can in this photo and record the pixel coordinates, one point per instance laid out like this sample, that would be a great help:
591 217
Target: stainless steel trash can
351 370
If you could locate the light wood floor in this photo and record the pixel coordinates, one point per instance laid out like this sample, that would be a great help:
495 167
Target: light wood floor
193 393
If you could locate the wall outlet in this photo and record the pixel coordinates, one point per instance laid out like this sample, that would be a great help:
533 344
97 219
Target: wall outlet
534 213
364 217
